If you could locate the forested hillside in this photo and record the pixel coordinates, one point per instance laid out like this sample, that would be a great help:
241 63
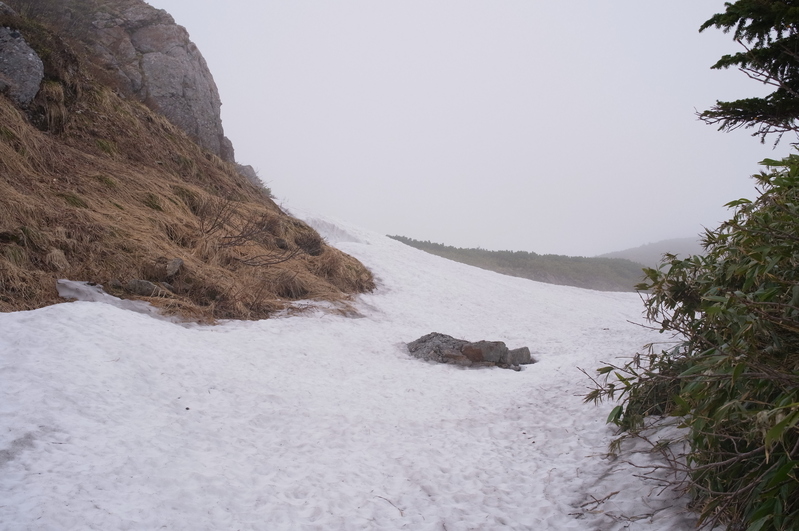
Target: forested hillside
604 274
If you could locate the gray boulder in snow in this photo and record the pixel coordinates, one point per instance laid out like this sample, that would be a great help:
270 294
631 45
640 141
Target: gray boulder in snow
442 348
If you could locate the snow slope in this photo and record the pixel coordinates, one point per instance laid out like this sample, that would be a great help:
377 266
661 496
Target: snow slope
112 419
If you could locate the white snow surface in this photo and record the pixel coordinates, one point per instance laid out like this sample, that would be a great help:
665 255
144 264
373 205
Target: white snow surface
112 419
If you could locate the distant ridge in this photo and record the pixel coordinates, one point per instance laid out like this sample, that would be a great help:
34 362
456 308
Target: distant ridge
598 273
651 254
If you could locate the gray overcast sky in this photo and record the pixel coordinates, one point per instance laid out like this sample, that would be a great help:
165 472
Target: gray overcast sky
562 127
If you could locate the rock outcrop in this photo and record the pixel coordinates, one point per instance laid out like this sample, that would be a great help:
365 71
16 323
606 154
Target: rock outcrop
96 186
147 56
442 348
21 70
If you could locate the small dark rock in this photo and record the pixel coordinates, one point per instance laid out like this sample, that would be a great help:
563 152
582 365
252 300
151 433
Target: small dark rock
145 288
163 269
173 267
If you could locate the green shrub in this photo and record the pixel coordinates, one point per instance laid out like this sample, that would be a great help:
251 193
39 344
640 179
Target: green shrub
151 200
733 378
107 146
107 181
73 200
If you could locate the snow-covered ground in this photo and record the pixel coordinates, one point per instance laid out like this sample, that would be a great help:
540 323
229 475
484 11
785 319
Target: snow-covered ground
114 419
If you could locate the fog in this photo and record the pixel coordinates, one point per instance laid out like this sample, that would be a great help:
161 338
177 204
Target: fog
554 127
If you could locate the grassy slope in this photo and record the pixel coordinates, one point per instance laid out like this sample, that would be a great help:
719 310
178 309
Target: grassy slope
99 188
605 274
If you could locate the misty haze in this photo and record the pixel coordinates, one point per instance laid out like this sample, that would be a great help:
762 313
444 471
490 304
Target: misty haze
401 265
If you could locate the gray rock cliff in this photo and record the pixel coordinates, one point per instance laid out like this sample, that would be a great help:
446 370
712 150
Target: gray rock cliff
21 70
147 56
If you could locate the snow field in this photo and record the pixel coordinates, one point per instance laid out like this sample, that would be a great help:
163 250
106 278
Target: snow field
111 419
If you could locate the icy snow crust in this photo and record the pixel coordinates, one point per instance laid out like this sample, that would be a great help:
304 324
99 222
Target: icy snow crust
111 419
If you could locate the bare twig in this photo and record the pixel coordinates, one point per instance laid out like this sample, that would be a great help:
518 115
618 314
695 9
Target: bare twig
392 504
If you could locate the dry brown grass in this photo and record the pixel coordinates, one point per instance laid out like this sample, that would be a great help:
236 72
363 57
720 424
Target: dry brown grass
107 191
